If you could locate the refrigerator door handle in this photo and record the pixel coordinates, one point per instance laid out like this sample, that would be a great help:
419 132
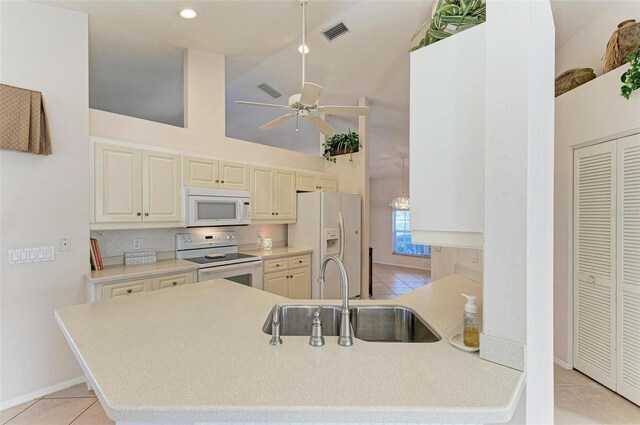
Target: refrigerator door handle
341 224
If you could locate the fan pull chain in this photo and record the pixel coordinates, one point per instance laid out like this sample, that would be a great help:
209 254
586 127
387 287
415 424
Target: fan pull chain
296 122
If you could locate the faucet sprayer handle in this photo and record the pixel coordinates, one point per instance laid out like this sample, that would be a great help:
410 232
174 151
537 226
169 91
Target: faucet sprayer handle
317 313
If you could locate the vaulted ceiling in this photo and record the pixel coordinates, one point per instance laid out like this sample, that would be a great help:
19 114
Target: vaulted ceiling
136 47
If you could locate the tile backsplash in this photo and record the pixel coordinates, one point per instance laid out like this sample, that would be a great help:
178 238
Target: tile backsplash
114 243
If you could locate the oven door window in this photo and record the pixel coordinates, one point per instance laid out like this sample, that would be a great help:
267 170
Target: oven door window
216 210
243 279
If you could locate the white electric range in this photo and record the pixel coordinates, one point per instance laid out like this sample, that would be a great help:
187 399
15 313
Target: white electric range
216 254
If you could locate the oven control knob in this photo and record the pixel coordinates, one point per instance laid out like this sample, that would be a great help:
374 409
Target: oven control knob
233 236
228 237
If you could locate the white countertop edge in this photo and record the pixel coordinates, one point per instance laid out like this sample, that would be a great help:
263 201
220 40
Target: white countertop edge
317 414
138 274
277 252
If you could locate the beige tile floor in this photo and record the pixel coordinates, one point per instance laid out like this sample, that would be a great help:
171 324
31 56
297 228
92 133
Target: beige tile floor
389 282
579 400
74 405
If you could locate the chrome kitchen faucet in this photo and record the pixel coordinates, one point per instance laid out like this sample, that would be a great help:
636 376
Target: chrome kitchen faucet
345 339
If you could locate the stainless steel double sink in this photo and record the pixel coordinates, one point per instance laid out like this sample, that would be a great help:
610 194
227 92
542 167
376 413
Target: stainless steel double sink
386 323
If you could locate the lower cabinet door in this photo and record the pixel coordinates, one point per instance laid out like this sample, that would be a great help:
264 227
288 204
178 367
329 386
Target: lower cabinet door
125 288
276 283
171 281
299 284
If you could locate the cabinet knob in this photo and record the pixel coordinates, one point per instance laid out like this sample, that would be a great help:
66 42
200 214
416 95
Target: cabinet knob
277 265
273 213
221 181
129 291
299 261
175 283
146 214
139 214
217 181
276 213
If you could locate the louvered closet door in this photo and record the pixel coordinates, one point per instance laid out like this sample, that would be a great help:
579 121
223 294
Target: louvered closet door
628 288
594 265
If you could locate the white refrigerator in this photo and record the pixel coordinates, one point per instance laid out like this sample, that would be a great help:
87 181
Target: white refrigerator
330 223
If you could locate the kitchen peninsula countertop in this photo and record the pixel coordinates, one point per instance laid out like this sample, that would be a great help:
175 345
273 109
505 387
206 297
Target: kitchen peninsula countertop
277 251
119 272
203 357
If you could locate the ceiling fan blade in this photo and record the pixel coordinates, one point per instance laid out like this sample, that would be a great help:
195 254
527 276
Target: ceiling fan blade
310 93
277 121
321 125
271 105
345 110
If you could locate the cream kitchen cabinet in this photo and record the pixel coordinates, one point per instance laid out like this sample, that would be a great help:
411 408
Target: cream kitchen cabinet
288 276
273 195
135 186
212 173
312 182
129 287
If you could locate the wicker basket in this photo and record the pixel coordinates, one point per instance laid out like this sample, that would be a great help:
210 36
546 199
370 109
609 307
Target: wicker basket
573 78
623 41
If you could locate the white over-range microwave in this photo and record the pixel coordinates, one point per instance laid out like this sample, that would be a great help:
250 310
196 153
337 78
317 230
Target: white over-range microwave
217 207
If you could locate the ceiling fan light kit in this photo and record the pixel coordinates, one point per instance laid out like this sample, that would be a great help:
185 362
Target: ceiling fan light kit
305 104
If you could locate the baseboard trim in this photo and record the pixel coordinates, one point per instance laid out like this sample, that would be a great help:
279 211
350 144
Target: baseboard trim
402 265
41 393
562 363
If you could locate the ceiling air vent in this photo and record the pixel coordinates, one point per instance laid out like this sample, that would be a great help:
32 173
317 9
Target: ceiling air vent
335 31
269 90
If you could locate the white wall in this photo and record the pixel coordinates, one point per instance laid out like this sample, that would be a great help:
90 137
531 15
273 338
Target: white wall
204 121
382 191
466 262
586 48
517 289
43 197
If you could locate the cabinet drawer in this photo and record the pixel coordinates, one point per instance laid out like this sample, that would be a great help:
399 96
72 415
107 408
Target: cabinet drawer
299 261
172 280
275 265
125 288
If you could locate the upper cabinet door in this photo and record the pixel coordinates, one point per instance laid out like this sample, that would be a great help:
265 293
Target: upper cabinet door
328 184
200 172
306 182
234 176
161 186
118 187
285 195
447 154
262 193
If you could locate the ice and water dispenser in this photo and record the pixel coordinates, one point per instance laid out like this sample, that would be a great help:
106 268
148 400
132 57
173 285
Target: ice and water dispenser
332 241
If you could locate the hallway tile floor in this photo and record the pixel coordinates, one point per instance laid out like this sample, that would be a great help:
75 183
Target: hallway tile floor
389 282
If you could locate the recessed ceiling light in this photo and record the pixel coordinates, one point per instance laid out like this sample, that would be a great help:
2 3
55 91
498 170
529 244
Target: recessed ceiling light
188 14
303 49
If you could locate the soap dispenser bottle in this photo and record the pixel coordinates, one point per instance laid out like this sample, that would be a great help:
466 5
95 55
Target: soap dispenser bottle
471 333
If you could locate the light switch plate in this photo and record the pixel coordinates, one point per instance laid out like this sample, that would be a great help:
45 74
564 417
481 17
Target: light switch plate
31 255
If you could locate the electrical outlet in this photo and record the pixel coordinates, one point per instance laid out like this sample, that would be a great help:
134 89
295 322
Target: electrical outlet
137 243
437 248
474 259
64 244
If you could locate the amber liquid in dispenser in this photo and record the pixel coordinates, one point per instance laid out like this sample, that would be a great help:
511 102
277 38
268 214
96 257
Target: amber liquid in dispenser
471 329
471 335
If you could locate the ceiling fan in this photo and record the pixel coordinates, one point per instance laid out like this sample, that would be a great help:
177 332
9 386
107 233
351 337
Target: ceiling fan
305 104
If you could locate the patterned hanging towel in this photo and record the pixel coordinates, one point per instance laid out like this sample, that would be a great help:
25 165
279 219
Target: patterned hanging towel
23 121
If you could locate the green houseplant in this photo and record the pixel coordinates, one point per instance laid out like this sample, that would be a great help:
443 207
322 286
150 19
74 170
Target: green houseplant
341 144
631 78
448 17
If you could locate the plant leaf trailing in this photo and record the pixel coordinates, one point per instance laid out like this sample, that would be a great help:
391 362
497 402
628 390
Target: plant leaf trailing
346 142
631 78
456 13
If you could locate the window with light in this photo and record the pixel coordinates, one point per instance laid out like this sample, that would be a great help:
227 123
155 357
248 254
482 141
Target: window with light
401 231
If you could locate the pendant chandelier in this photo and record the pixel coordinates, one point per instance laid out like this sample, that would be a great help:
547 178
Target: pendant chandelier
401 203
